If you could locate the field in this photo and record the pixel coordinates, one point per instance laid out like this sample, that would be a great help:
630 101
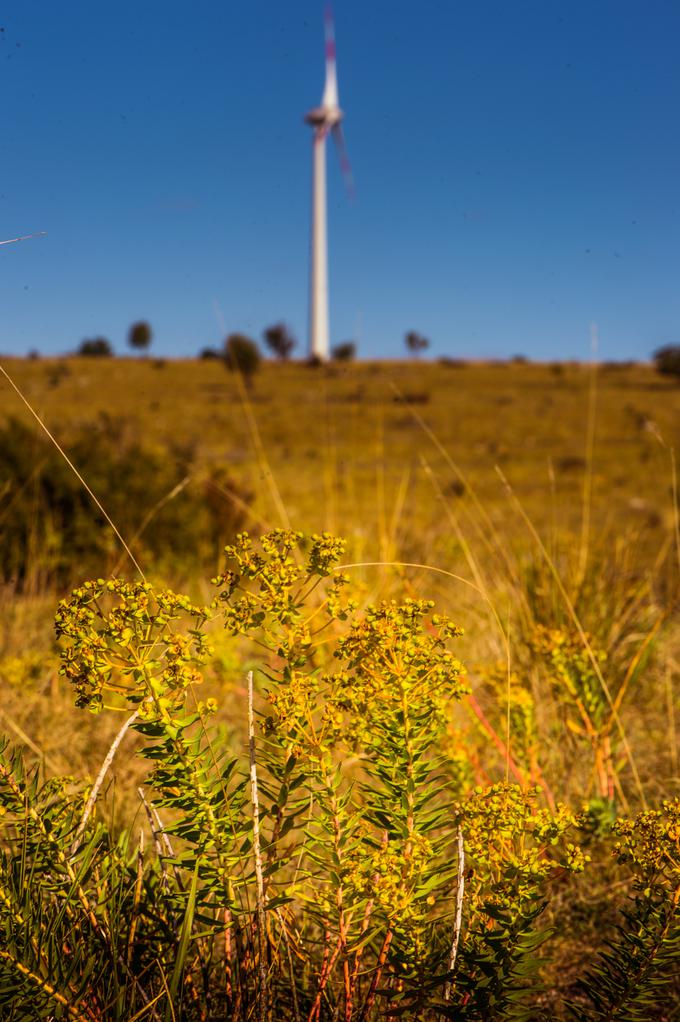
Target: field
536 505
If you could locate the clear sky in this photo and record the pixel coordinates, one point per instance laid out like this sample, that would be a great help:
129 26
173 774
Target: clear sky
517 170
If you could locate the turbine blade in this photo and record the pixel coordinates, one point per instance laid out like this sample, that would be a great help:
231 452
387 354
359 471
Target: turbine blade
24 237
345 165
330 92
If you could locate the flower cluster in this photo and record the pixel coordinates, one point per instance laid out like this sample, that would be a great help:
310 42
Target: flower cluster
388 873
396 652
270 586
516 703
515 846
120 638
572 668
651 843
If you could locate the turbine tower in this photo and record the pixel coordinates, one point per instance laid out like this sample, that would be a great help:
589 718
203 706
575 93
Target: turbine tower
324 119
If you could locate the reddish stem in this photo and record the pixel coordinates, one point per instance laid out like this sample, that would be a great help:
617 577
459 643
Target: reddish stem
370 996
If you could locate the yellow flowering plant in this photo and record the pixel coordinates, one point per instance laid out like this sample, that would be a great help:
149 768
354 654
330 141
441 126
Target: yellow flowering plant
338 867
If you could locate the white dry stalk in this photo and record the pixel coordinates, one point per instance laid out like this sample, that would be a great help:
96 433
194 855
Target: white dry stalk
458 921
89 805
157 832
257 855
152 823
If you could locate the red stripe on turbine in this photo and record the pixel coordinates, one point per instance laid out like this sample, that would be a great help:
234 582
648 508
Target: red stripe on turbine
329 30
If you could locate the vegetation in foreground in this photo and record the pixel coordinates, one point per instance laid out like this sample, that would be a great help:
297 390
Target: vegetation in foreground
414 840
343 871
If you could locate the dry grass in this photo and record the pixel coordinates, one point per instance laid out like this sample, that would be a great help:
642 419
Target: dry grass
484 487
428 464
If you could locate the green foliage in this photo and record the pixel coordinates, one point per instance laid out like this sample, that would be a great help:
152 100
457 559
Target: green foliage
344 352
95 347
51 526
573 672
376 882
415 342
635 978
515 849
120 641
208 354
667 360
80 939
139 336
584 646
279 340
241 354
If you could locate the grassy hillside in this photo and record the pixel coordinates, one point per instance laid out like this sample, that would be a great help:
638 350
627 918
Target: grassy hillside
442 465
345 444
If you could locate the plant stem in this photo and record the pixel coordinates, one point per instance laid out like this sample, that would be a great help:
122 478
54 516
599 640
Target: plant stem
458 921
257 855
382 958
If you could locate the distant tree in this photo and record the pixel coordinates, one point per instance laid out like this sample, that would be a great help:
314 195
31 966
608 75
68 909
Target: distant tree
242 354
279 340
96 347
415 342
667 360
139 336
344 352
207 353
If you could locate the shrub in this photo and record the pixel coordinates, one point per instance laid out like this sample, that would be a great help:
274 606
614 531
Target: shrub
97 347
242 354
344 352
415 342
52 528
56 372
139 336
667 360
279 340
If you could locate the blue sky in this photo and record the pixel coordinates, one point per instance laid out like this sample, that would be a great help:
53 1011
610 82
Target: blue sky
517 171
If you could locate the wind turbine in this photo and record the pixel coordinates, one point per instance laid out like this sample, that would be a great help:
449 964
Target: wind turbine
324 119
